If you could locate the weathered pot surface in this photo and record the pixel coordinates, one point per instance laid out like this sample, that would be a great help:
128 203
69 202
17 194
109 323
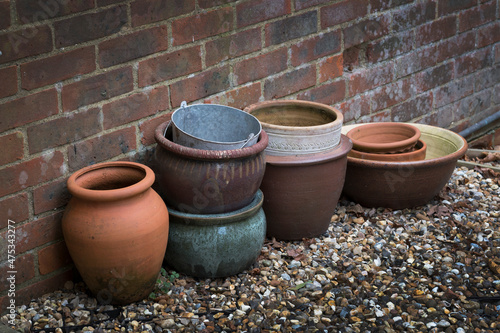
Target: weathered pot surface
301 192
298 127
207 181
401 185
216 245
116 230
417 154
384 137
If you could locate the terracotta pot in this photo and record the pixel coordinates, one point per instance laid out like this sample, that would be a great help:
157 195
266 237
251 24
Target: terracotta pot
384 137
417 154
116 230
301 192
216 245
401 185
207 181
298 127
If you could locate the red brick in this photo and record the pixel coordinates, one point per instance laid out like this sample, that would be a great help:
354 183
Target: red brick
103 3
391 94
239 98
433 77
316 47
302 4
60 67
148 127
101 148
169 66
366 79
343 11
13 147
235 45
38 232
487 78
192 28
70 128
15 208
355 108
149 11
352 58
473 62
97 88
5 14
329 93
290 82
31 11
212 3
453 91
25 43
331 67
50 196
377 117
132 46
477 16
488 34
24 110
496 94
24 269
414 15
90 26
255 11
416 61
261 66
35 171
366 30
290 28
8 84
411 109
437 30
447 7
134 107
389 47
53 257
200 86
454 46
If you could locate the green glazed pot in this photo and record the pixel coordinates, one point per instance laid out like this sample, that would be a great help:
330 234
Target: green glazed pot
216 245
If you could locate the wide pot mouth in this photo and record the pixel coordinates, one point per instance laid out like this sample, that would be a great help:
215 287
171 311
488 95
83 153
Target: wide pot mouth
452 145
109 181
338 152
178 217
296 115
163 137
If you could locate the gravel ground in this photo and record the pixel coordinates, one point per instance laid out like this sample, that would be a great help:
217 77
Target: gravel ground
435 268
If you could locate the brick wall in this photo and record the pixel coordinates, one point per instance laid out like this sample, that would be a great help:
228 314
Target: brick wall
87 81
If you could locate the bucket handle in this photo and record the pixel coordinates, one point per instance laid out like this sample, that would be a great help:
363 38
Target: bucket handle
250 137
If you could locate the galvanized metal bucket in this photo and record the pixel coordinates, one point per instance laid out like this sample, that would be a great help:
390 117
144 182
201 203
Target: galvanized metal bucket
214 127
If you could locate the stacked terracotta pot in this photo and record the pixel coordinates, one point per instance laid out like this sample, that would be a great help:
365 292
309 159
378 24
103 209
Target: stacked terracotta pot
305 166
211 187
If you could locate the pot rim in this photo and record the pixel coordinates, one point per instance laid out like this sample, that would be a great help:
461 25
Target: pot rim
337 123
340 151
203 154
219 218
381 156
113 194
423 163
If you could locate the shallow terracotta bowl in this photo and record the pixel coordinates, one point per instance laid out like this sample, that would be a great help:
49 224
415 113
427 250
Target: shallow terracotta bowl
401 185
384 137
417 154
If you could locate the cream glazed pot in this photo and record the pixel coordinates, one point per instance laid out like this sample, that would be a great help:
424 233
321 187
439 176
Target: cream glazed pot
298 127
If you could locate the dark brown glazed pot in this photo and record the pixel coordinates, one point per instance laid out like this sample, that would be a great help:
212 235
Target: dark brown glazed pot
201 181
417 154
401 185
301 192
384 137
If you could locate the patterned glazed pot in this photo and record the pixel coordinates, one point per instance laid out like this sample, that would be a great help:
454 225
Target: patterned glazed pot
298 127
116 230
201 181
216 245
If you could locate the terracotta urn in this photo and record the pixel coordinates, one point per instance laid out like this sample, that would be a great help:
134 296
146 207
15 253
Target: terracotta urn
415 154
298 127
199 181
116 230
385 137
301 192
405 184
216 245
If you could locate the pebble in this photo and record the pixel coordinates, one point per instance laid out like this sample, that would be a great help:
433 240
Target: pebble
427 269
